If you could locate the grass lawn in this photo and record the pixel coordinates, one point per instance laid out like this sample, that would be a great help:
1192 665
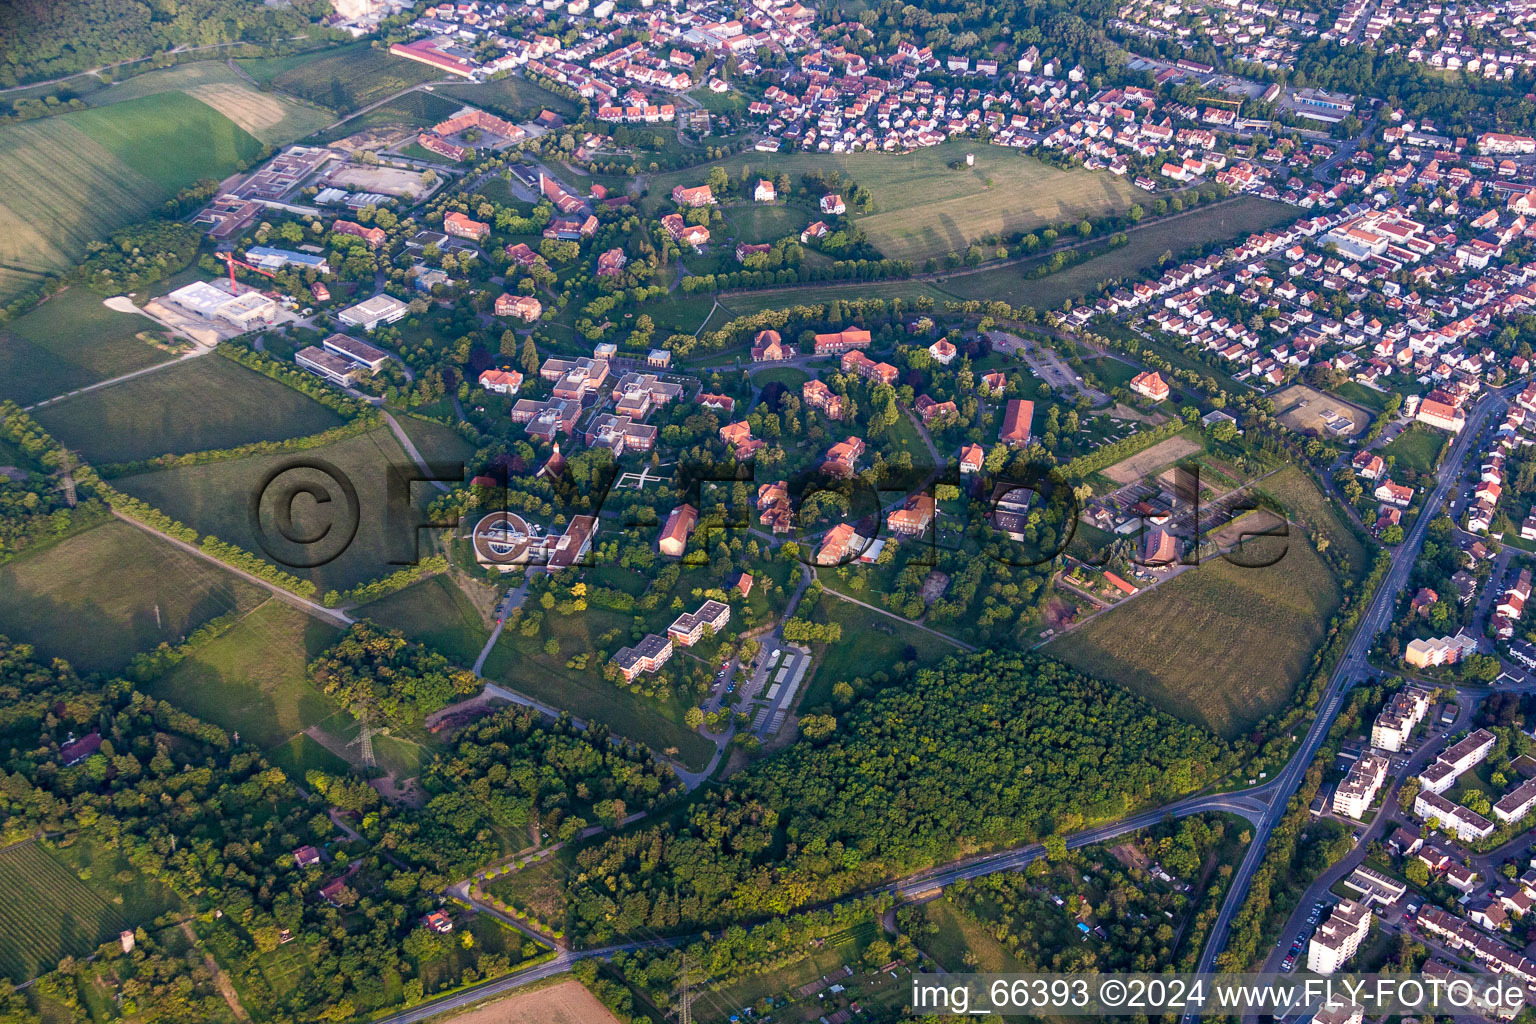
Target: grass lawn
1303 503
437 613
214 499
102 596
68 342
342 79
522 665
679 313
744 303
870 642
760 222
1361 395
791 377
436 442
300 754
1417 448
924 208
1112 373
74 178
1220 645
271 118
168 412
1241 216
958 933
252 679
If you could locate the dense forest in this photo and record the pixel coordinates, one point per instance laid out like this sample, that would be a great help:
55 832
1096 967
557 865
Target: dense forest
995 750
41 40
379 675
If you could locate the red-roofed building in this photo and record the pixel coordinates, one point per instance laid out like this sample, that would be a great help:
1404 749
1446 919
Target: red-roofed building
1016 421
843 341
460 226
972 458
674 535
699 195
1150 385
524 307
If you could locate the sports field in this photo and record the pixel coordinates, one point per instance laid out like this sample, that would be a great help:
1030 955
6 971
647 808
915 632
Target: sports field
48 913
252 679
74 178
437 613
1140 254
1303 408
214 498
153 414
1220 645
342 79
68 342
925 208
100 597
270 117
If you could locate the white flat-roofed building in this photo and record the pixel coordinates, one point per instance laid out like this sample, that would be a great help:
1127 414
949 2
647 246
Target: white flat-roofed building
201 298
359 352
368 314
1337 938
1402 714
1360 786
327 365
1375 887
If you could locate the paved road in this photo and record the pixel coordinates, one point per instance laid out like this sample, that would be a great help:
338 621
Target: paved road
1351 669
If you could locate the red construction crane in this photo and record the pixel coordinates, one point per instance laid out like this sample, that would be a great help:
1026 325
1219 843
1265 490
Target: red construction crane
231 262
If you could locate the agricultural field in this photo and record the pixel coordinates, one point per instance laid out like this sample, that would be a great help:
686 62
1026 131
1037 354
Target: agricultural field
213 498
567 1002
1003 193
1301 502
436 612
48 913
1219 645
68 342
412 110
74 178
252 679
342 79
149 416
512 97
271 118
98 598
1141 253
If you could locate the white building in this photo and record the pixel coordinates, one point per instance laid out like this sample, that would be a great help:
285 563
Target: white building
1359 788
1466 825
1468 753
1337 938
368 314
1399 718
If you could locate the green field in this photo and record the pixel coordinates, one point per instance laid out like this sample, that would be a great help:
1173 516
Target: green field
48 913
1417 448
1241 216
763 223
1303 504
512 97
412 110
154 414
100 597
342 79
437 613
522 665
958 933
269 117
68 342
744 303
924 208
213 498
72 179
436 442
1219 645
252 679
871 642
789 376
